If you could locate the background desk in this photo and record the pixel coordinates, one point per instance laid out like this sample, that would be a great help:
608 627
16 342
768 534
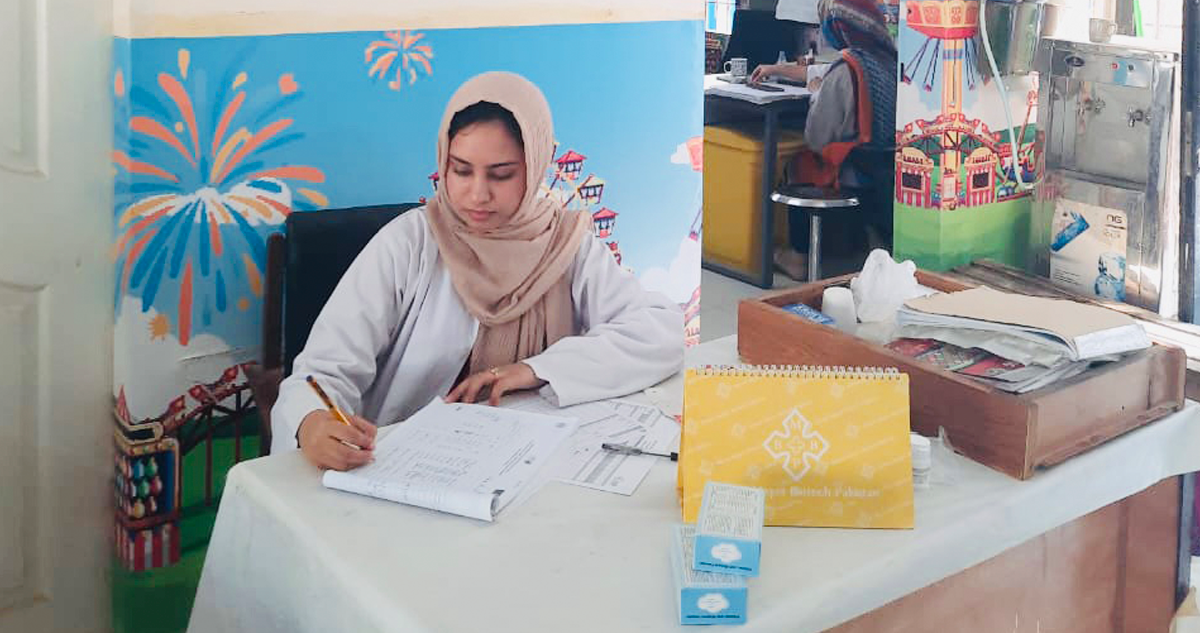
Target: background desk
1051 552
719 103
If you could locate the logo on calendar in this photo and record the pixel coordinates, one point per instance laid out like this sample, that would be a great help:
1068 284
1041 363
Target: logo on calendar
726 553
796 446
712 603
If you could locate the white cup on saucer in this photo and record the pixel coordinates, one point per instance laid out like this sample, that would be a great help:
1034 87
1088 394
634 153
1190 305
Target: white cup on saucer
736 67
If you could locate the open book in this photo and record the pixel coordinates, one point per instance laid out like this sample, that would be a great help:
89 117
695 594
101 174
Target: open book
1022 328
464 459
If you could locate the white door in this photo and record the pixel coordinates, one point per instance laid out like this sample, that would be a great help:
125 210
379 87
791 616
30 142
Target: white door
55 315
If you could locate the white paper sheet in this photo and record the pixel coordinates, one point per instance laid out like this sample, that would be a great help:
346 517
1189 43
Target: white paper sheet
715 86
583 463
469 460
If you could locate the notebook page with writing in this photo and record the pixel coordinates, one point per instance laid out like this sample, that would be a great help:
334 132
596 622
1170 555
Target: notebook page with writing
469 460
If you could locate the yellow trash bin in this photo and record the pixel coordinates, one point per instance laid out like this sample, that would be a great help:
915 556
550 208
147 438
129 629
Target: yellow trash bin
733 193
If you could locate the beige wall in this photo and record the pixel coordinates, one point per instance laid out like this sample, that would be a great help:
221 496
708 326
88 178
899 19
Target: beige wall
192 18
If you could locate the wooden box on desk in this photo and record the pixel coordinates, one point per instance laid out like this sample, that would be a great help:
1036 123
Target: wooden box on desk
1012 433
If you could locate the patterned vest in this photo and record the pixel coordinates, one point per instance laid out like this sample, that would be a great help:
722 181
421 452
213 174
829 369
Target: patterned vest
880 76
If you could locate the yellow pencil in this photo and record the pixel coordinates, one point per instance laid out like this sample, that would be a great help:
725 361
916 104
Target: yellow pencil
333 408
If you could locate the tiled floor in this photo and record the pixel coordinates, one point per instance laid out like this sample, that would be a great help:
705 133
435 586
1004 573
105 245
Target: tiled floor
719 297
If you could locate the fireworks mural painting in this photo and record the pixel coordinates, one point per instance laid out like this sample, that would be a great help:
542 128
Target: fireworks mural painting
401 54
204 171
197 192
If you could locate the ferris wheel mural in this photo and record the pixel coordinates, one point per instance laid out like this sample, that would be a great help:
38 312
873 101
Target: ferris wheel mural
585 194
563 183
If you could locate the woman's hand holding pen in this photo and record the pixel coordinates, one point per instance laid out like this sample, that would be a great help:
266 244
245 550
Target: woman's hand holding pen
499 381
324 441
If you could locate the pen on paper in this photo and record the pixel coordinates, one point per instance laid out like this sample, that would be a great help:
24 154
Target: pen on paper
622 449
333 408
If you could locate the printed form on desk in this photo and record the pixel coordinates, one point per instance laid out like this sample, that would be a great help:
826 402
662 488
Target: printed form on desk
583 463
469 460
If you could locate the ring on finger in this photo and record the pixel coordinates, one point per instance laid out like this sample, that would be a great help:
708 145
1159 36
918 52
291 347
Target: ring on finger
494 372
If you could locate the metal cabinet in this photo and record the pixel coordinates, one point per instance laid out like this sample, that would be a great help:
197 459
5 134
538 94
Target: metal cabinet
1110 142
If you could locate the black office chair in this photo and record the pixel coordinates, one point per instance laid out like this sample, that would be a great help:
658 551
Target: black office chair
758 36
305 262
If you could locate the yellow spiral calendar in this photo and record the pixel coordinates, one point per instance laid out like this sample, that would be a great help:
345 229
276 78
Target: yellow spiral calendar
830 445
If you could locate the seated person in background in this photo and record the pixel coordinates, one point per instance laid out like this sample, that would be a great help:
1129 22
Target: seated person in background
844 117
804 13
492 287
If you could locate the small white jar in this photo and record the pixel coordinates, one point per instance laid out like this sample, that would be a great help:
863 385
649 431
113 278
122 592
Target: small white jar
922 460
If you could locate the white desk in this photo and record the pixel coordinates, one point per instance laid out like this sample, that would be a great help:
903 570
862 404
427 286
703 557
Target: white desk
722 96
290 555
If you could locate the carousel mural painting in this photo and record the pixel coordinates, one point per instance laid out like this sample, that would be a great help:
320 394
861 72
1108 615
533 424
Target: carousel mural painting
957 192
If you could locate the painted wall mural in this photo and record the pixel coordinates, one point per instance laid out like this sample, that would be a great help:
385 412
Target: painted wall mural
402 45
957 194
219 139
196 200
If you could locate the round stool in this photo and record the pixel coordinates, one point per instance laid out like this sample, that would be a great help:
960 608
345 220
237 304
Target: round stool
815 201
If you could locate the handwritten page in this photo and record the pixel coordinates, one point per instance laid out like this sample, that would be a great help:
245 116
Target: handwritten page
583 463
470 460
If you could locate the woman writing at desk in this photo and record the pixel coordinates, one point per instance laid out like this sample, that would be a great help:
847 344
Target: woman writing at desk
490 288
854 108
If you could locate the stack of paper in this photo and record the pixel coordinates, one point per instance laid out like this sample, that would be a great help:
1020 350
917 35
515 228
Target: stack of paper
714 86
1029 330
463 459
583 462
1044 340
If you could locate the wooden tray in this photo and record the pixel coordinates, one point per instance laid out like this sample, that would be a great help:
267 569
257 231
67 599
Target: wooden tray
1013 433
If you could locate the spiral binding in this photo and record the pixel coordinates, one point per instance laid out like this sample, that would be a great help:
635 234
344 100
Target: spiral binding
800 371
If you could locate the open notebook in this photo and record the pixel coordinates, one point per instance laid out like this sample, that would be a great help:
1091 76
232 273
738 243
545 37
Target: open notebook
464 459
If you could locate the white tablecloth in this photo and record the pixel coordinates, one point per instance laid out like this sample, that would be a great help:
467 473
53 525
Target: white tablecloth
290 555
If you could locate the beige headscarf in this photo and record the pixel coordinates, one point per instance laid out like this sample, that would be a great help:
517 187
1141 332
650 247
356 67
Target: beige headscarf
513 278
